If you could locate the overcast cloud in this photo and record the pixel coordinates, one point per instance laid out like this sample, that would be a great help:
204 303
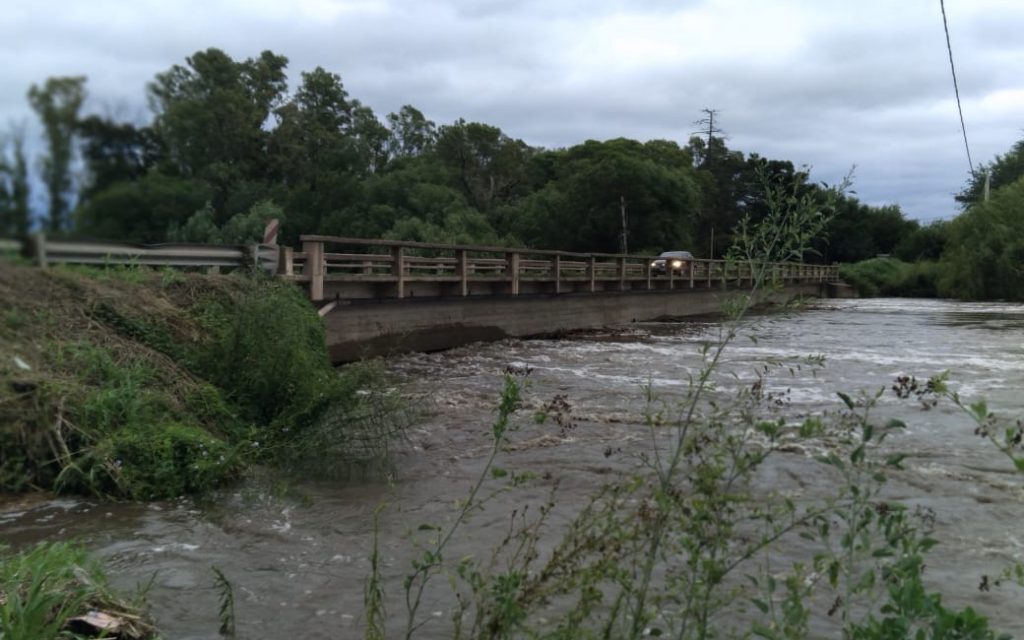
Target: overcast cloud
826 83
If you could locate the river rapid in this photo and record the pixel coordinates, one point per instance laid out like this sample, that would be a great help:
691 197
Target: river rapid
297 551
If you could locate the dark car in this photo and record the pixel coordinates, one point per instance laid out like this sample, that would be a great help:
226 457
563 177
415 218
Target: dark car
678 261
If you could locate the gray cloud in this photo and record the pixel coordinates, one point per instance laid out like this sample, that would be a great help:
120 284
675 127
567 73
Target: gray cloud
823 84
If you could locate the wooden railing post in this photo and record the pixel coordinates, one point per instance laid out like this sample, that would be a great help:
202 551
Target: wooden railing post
708 264
398 271
512 271
314 268
463 272
591 269
671 274
622 274
556 267
647 269
689 267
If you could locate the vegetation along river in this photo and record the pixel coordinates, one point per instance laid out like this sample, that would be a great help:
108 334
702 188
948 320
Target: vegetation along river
297 553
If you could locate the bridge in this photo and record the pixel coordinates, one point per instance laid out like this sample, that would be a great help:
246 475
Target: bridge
380 297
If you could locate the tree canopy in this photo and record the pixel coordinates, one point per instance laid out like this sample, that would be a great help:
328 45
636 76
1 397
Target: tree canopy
229 141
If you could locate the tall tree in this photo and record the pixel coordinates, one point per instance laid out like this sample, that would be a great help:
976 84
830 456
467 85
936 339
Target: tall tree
579 209
323 146
15 217
58 102
411 133
211 117
489 166
114 152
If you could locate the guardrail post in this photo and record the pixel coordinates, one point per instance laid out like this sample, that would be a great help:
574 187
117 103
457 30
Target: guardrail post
314 268
622 274
463 272
557 268
285 261
39 249
512 271
398 271
591 268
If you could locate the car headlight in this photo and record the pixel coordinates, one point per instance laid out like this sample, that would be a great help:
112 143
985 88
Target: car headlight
654 264
677 263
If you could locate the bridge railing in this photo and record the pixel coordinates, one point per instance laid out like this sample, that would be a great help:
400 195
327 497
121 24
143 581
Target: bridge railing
385 268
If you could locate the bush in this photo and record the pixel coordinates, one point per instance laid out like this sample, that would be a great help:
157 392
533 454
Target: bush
267 351
985 250
892 277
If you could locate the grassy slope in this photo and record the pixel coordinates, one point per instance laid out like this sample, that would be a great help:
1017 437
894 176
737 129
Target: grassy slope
145 384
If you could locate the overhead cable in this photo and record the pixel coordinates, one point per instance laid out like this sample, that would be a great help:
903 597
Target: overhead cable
956 88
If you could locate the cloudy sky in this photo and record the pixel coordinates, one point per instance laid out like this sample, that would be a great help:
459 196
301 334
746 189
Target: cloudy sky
826 83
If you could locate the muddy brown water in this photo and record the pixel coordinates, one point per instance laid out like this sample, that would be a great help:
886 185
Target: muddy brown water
297 552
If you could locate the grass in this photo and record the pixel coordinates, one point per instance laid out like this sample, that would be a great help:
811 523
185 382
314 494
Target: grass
42 590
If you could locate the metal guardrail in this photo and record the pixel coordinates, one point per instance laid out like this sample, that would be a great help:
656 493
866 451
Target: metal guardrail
45 252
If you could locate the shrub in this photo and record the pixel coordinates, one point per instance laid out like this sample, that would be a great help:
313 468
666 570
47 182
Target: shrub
892 277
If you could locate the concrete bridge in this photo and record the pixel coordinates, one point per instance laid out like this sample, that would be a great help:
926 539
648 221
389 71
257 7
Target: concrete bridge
380 297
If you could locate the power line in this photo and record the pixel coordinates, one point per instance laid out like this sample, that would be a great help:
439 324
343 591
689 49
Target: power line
956 88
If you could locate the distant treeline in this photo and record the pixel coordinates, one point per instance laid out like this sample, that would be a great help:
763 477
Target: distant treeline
979 255
229 146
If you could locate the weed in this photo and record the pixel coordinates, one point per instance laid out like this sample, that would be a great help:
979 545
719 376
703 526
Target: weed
43 588
226 611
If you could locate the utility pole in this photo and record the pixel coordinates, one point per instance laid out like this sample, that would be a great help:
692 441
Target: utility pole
625 229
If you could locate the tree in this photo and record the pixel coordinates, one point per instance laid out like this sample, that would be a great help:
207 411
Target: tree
1003 170
211 116
144 210
114 152
15 217
411 134
859 231
487 165
579 209
57 103
324 147
985 248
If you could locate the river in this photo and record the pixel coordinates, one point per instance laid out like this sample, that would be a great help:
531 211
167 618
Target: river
297 552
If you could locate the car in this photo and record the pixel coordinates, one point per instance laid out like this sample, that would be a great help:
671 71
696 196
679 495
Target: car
678 261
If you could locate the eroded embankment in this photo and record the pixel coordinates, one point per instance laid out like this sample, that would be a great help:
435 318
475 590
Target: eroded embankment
137 384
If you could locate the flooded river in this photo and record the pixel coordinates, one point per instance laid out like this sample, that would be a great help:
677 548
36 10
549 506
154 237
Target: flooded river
297 552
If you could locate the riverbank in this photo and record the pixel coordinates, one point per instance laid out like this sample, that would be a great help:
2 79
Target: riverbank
141 384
